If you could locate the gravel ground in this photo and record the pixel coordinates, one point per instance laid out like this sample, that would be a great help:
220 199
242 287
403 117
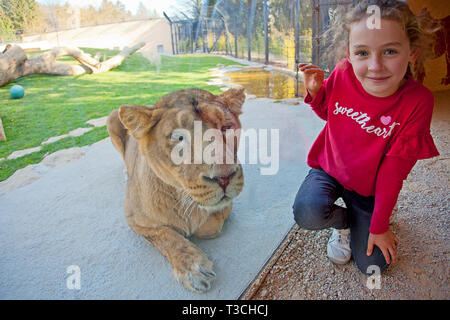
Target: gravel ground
301 270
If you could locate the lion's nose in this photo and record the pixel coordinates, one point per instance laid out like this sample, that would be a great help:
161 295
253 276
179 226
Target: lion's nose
222 181
225 181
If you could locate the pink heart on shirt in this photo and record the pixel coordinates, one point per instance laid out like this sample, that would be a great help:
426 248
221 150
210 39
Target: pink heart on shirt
385 120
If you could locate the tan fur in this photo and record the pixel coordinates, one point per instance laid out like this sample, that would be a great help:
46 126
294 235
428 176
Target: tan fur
165 202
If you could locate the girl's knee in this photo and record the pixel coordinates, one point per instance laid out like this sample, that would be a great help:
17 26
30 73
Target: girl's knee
370 265
308 215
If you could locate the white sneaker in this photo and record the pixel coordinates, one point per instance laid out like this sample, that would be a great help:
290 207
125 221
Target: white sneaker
338 247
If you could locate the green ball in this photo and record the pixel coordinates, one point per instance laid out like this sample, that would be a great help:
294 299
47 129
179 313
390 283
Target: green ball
17 91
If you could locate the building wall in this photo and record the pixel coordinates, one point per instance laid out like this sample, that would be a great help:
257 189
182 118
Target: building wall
159 36
154 32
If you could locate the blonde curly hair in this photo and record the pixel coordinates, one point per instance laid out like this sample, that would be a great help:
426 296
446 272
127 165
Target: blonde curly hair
419 29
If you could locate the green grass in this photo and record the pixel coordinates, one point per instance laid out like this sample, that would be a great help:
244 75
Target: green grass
55 105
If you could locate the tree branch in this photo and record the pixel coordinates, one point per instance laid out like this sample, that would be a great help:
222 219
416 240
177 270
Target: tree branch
14 62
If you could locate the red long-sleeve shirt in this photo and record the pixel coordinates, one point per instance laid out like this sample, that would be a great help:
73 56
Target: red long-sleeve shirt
370 144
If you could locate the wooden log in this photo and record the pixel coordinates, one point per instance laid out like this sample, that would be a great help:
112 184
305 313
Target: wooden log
2 131
11 62
14 62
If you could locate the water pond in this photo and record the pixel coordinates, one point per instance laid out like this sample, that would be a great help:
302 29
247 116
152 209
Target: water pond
265 83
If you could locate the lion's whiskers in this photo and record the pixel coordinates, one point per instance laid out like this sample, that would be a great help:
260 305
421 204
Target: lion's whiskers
192 208
191 205
182 199
186 203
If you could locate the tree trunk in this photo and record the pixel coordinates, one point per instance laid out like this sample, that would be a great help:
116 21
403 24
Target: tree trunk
227 32
250 17
266 33
14 62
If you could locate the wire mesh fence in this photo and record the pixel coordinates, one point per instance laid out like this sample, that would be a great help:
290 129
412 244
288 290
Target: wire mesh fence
276 32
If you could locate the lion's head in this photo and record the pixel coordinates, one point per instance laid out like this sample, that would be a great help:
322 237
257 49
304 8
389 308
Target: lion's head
176 126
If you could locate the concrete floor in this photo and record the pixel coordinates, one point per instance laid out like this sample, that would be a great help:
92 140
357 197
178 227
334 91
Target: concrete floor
72 215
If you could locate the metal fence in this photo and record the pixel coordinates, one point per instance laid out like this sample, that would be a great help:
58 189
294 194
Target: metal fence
273 32
322 10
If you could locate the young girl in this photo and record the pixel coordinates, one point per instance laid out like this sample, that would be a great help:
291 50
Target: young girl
377 126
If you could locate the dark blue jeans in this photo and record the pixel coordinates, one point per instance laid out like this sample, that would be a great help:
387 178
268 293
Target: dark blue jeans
314 209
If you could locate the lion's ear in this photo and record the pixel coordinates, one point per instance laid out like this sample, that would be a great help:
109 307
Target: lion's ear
139 119
234 99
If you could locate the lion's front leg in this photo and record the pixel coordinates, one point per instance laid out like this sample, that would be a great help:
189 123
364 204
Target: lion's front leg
213 226
190 264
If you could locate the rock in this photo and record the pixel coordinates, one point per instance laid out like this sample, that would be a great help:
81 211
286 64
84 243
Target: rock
54 139
61 157
79 132
99 122
19 179
21 153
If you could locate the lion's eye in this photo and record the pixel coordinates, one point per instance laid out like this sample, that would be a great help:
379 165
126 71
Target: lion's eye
179 135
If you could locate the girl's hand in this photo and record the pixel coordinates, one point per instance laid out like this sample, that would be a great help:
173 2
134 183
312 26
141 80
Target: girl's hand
387 242
313 77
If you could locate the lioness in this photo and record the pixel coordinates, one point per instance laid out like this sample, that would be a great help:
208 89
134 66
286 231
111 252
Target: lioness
166 202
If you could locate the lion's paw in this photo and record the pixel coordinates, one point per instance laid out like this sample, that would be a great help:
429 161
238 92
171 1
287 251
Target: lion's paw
195 273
